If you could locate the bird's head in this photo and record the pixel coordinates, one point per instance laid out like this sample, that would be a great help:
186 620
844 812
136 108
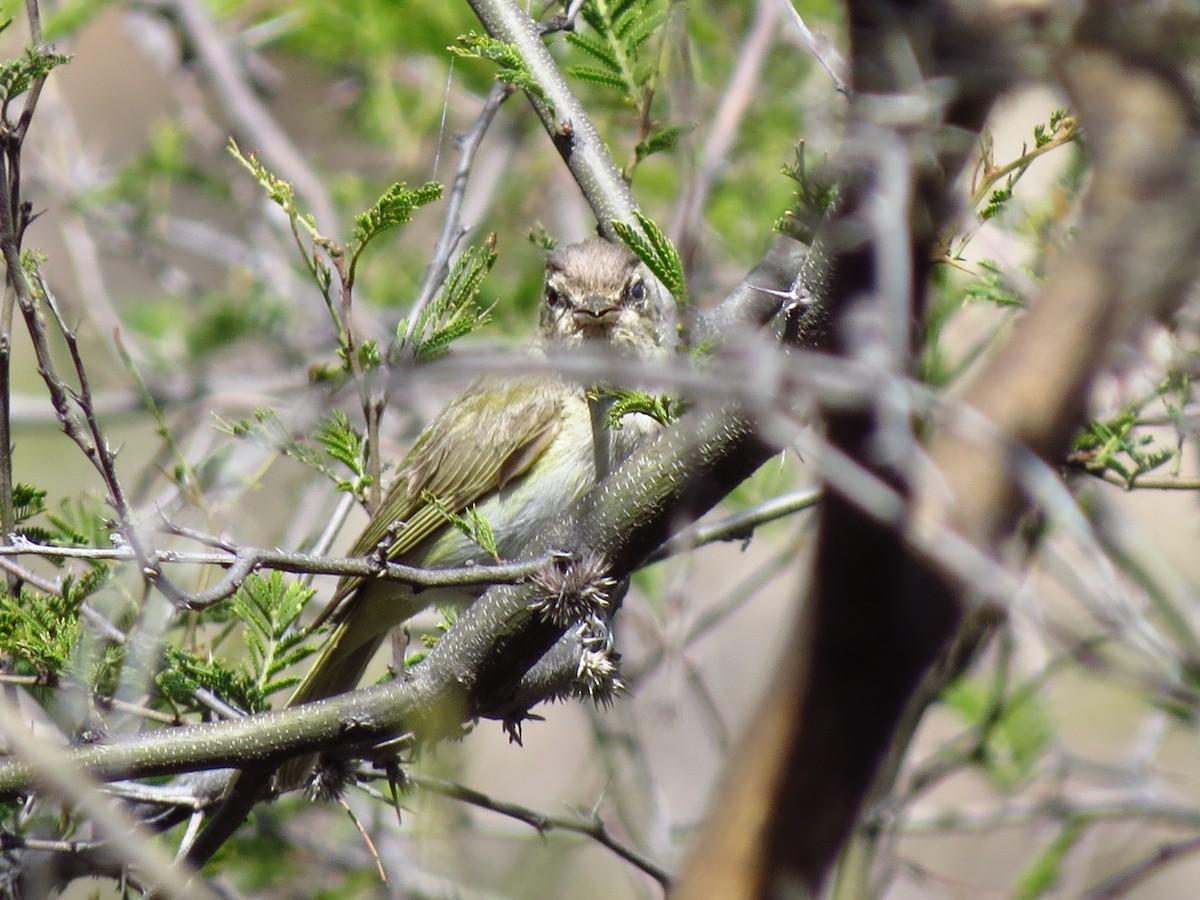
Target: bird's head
600 292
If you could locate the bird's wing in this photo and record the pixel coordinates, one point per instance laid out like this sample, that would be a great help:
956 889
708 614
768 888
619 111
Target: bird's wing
489 435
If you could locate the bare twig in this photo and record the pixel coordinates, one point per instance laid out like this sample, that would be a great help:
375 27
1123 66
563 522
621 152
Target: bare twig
246 560
249 115
723 130
591 827
822 49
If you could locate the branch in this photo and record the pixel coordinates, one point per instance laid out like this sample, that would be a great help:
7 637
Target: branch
246 560
249 116
477 667
591 827
565 120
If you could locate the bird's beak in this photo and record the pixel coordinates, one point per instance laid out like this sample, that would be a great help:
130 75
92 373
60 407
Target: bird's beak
595 313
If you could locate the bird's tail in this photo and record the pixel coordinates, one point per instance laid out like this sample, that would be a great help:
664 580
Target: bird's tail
339 668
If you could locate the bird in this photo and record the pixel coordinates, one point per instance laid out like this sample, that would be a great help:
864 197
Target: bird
519 448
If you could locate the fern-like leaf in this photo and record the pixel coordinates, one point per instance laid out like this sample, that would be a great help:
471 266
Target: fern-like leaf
593 75
394 207
513 68
473 525
455 310
269 608
655 249
16 75
598 50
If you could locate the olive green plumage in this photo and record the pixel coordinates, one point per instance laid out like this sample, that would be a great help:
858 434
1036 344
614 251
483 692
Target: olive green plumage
520 449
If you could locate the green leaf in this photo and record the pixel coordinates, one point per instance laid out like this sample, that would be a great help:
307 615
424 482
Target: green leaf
660 407
278 191
27 502
1018 738
655 249
662 139
592 75
993 286
470 523
267 430
184 672
38 632
815 196
394 207
270 608
1045 873
513 68
341 441
996 203
620 30
16 75
598 50
455 311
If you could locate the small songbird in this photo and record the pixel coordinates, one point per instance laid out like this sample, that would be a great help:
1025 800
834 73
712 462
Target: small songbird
519 448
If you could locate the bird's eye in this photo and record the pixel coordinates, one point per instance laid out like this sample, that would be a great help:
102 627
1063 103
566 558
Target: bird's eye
555 299
636 291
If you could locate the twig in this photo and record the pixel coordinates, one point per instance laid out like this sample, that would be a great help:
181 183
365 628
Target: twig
1122 882
20 573
740 525
743 85
452 228
247 560
54 770
248 113
1149 484
824 51
591 827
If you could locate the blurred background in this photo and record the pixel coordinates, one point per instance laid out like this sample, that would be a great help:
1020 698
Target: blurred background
1049 768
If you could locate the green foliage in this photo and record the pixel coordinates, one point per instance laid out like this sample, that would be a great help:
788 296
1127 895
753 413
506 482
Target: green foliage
1015 735
79 522
1115 445
39 631
67 18
621 28
1045 134
339 440
28 502
816 193
513 68
655 249
992 286
994 186
345 445
539 237
220 320
621 63
394 207
184 672
1045 872
16 75
278 191
469 522
455 311
268 608
661 140
660 407
996 203
267 430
